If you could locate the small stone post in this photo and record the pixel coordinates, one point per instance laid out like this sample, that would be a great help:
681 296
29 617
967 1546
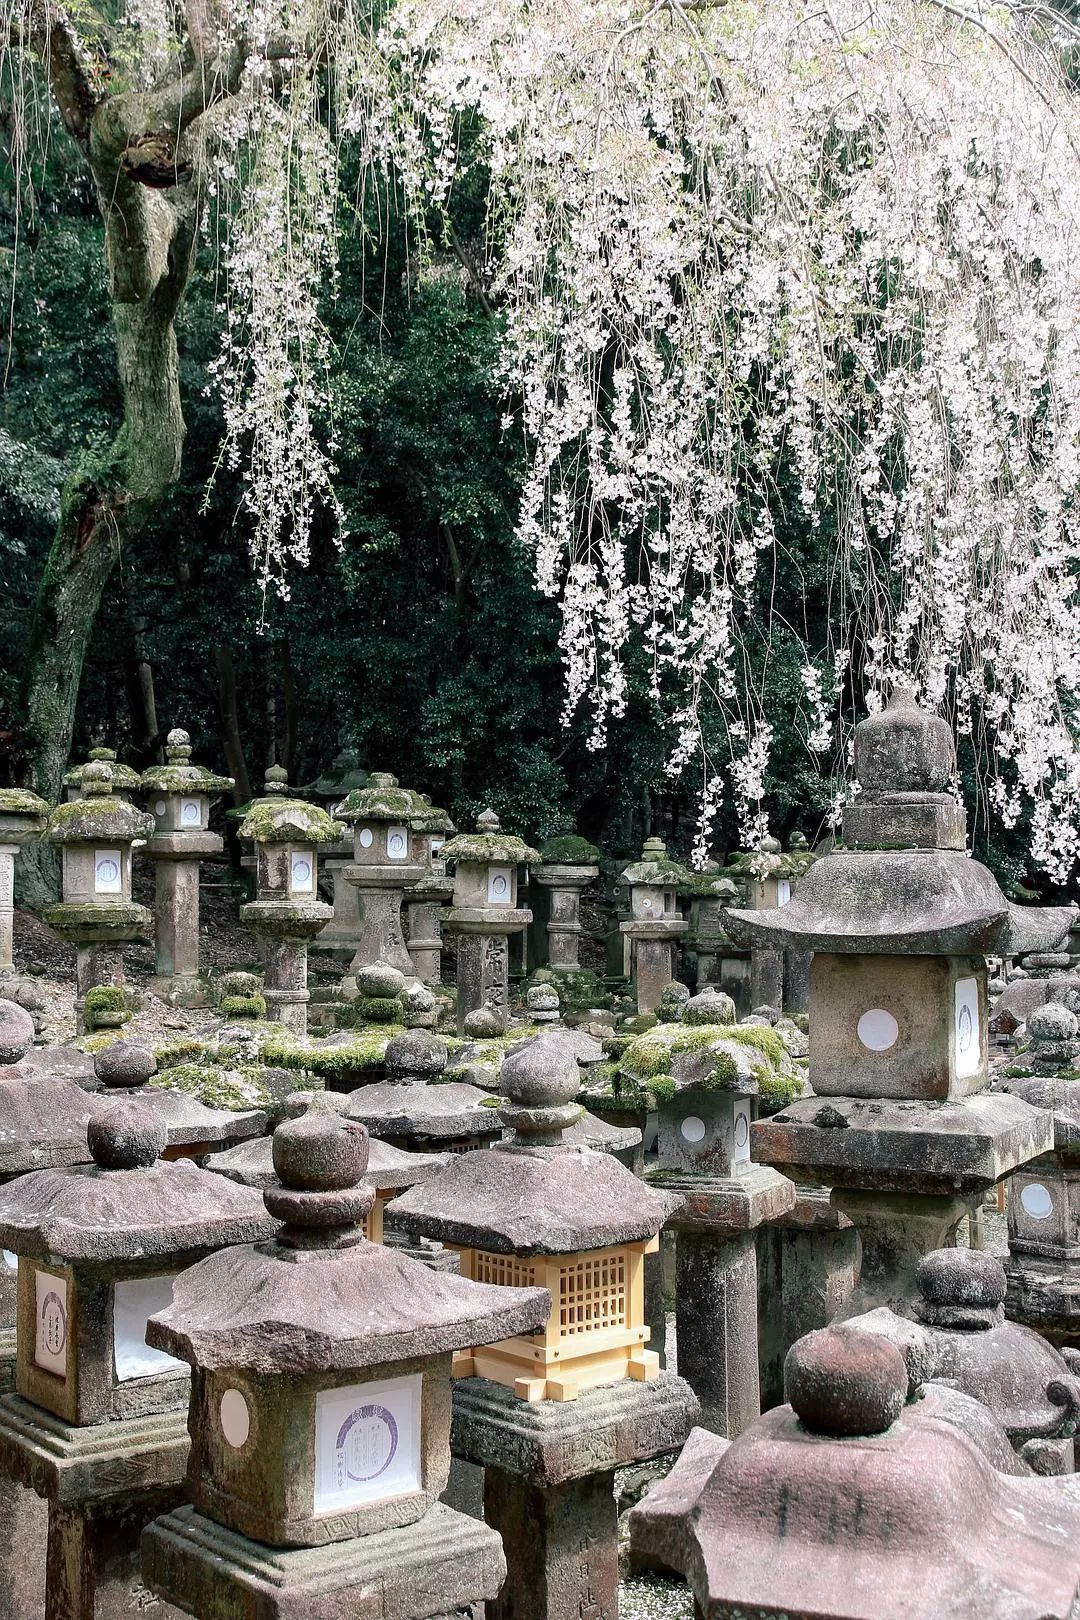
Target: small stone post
286 911
383 866
567 867
22 818
426 901
485 913
178 796
97 914
655 926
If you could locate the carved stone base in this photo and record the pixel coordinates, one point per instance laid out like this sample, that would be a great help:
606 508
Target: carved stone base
79 1466
442 1563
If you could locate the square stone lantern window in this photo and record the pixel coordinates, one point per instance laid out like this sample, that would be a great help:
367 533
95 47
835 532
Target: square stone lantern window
109 871
397 843
502 886
302 870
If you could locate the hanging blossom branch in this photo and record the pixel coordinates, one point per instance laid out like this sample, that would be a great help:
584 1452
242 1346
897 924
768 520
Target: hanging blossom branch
744 245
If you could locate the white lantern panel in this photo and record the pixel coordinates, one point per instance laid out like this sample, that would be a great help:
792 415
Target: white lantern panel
1036 1201
190 813
367 838
160 807
742 1131
692 1129
302 872
108 872
235 1418
968 1044
878 1030
11 1260
133 1302
51 1333
783 891
397 843
437 844
367 1443
500 889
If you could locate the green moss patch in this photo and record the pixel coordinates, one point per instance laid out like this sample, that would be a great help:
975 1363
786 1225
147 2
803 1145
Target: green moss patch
242 1006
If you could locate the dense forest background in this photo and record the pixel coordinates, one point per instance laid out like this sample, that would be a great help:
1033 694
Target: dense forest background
420 640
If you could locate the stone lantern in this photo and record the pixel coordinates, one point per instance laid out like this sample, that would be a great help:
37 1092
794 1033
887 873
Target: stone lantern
344 775
567 866
178 796
126 783
705 1110
415 1109
485 913
123 1070
426 901
22 819
777 978
97 914
849 1503
320 1410
287 911
1043 1268
655 925
900 920
707 944
97 1423
385 863
549 1415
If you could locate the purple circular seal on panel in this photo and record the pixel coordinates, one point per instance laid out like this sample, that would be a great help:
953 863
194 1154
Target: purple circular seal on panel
368 1442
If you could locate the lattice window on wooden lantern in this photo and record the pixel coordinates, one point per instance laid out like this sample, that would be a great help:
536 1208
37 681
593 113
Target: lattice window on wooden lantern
596 1333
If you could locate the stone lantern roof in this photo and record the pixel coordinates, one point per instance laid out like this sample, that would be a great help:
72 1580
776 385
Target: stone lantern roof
388 1168
382 799
124 1070
123 777
128 1205
488 844
98 816
278 819
428 818
904 886
22 814
343 775
849 1504
530 1194
43 1119
655 866
319 1297
178 775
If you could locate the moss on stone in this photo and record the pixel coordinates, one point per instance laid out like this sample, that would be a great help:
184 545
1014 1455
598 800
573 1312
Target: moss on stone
761 1036
242 1006
488 848
21 802
87 821
363 1053
184 779
578 992
234 1089
108 1005
491 1102
290 821
649 1056
569 850
663 1088
92 1044
776 1091
174 1052
378 1009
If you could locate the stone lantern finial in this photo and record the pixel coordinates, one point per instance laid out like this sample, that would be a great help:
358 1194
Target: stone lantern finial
654 849
842 1383
488 822
320 1159
97 777
126 1136
276 780
178 746
540 1082
106 755
903 749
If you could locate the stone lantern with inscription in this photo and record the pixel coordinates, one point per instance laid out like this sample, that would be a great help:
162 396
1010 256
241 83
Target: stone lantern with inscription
320 1410
178 796
655 925
386 861
96 1425
287 911
96 834
485 913
900 921
22 819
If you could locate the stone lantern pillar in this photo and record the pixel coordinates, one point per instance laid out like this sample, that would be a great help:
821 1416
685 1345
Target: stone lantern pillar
485 913
320 1411
178 796
97 914
567 867
900 920
22 818
428 898
551 1414
703 1155
287 911
655 925
341 935
385 863
96 1425
126 783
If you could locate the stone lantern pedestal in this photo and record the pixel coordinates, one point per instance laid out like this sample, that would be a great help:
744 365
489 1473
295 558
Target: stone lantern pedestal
426 901
385 864
97 914
899 921
655 926
808 1262
22 818
485 914
178 796
552 1414
567 867
320 1411
286 911
97 1424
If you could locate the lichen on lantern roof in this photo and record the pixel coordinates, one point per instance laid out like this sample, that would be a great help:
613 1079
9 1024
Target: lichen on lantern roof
488 844
184 779
383 799
123 776
428 818
21 802
568 849
655 866
289 821
95 820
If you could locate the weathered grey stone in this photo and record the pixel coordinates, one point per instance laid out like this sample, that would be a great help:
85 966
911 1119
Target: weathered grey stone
482 1023
709 1006
657 1524
446 1113
380 979
16 1032
124 1064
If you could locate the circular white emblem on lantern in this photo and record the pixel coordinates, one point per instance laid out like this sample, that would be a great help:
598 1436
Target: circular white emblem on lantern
302 872
692 1129
397 843
235 1418
367 838
742 1129
107 872
878 1030
160 807
1036 1201
190 813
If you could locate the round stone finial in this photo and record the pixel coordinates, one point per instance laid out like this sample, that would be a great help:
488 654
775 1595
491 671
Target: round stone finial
961 1279
320 1151
275 781
654 849
126 1136
543 1073
797 843
108 755
904 749
381 779
96 778
124 1063
1053 1021
416 1055
769 845
483 1024
178 746
845 1384
488 822
16 1032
